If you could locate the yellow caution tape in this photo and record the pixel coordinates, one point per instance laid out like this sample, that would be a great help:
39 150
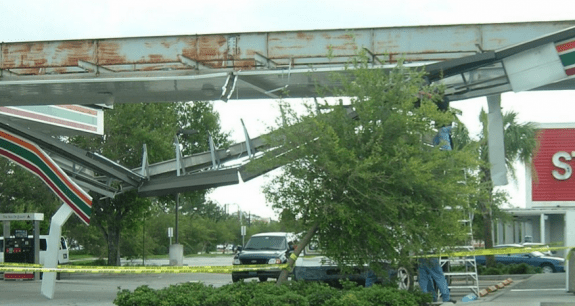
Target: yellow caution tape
479 252
498 251
13 267
19 267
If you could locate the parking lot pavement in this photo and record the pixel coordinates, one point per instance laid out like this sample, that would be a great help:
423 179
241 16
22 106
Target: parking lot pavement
485 281
96 289
102 289
526 290
537 290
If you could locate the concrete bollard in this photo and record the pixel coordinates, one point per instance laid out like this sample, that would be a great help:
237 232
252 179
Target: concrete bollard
176 255
570 271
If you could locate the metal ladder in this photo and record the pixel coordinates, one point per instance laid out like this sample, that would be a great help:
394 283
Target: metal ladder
467 279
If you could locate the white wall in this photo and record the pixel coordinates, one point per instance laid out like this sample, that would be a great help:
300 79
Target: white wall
569 228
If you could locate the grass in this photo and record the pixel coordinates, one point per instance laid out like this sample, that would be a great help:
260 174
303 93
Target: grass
82 259
80 256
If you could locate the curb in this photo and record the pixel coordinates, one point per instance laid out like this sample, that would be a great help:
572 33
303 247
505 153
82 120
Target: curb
501 285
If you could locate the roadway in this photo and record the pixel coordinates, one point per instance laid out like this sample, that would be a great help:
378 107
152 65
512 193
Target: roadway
101 289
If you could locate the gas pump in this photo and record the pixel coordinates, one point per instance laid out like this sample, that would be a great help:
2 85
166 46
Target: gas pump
21 248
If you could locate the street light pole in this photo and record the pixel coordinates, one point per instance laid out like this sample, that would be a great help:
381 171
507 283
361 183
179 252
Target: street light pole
177 206
178 169
178 172
177 250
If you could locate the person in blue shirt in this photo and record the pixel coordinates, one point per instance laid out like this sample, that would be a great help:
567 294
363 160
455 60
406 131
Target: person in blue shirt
443 138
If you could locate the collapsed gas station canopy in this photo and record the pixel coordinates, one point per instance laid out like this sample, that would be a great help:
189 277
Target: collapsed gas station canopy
262 65
61 85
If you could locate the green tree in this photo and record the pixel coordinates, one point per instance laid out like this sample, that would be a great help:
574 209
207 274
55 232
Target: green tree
127 128
371 187
520 143
201 121
23 192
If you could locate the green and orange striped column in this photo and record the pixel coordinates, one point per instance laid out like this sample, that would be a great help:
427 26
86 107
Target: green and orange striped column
34 159
566 51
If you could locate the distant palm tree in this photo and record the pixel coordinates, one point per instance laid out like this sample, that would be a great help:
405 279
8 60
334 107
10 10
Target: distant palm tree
520 143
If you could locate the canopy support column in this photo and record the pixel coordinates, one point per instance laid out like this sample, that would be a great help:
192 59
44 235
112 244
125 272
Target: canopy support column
53 245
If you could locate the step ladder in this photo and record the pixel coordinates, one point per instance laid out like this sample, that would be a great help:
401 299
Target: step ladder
466 279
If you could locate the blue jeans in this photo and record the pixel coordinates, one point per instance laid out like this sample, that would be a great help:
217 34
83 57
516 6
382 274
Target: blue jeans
431 288
429 269
370 278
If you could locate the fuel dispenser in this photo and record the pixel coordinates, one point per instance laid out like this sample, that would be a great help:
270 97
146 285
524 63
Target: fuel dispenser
21 248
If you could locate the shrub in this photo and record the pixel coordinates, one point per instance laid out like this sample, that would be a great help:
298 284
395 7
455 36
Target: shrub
189 294
268 294
392 297
521 268
316 292
492 271
501 269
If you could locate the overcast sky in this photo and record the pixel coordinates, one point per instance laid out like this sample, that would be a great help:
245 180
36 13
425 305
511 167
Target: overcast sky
31 20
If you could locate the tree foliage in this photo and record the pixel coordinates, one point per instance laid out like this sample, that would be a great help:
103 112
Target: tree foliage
23 192
127 128
373 184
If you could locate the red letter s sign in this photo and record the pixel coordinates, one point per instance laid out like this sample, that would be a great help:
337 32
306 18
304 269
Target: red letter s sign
563 165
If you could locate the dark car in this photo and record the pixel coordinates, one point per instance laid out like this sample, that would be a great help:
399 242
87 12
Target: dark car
536 259
263 249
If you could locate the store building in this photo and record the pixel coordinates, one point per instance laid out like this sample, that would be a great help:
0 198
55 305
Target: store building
549 214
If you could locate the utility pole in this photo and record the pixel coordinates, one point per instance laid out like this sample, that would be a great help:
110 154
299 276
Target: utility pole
177 250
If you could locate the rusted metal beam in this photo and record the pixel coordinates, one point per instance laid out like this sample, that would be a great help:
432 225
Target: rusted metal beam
91 67
191 63
189 67
238 50
266 62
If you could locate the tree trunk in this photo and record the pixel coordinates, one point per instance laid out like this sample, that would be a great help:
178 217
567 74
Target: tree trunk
114 246
487 234
291 260
487 218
